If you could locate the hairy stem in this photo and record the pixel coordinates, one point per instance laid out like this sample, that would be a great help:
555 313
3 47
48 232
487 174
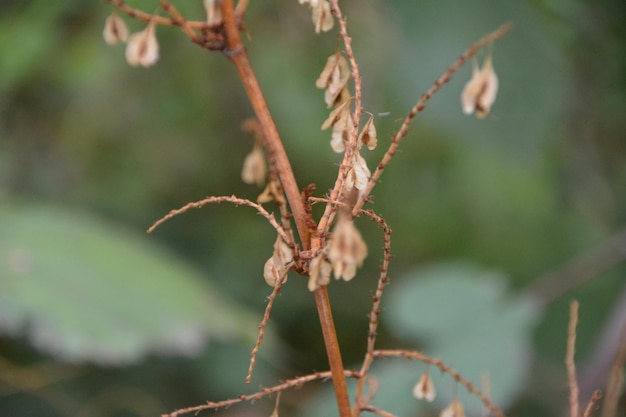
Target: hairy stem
237 53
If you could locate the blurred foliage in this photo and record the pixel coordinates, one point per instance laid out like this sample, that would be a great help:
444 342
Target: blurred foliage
91 148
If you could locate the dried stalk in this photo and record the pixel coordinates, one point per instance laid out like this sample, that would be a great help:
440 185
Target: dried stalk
237 53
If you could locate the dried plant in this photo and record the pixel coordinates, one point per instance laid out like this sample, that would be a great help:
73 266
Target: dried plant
332 244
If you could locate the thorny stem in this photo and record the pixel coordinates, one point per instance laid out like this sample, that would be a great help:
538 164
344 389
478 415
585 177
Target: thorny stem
264 392
236 51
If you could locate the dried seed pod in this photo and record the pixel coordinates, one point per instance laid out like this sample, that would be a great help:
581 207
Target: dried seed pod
480 91
319 272
115 30
321 16
334 78
213 12
454 409
277 265
254 167
347 250
359 174
143 47
368 134
425 389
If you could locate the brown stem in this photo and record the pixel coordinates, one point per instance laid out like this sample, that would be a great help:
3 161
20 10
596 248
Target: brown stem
237 53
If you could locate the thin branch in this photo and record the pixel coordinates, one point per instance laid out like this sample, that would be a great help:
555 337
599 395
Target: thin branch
375 410
179 20
223 199
592 402
421 104
264 392
569 359
445 369
266 318
582 269
159 20
616 378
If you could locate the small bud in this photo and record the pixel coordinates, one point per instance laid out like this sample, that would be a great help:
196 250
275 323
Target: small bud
319 272
143 48
480 91
213 12
368 135
347 250
425 389
115 30
254 167
455 409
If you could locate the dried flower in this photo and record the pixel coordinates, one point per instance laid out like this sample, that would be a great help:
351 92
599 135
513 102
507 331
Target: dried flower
213 12
455 409
254 167
480 91
425 389
276 266
334 78
319 272
115 30
368 135
143 48
347 250
359 174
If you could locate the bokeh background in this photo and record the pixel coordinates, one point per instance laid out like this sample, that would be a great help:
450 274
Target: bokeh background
498 223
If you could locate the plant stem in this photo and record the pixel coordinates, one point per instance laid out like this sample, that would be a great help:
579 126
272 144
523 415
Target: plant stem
236 51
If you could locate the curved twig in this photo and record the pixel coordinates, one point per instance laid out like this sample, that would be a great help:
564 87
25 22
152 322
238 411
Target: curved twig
223 199
421 104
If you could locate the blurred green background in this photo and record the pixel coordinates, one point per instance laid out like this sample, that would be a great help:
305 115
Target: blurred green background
498 223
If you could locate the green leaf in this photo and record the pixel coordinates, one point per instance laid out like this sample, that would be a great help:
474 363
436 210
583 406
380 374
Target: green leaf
82 289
